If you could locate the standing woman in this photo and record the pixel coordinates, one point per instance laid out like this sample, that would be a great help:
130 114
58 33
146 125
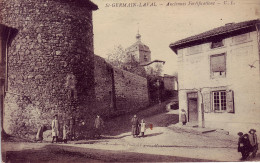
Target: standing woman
55 128
135 126
65 131
99 125
183 117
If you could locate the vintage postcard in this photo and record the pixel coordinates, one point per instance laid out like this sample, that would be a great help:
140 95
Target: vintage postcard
130 80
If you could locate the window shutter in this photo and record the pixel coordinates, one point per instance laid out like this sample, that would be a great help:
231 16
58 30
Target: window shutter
230 102
206 101
218 63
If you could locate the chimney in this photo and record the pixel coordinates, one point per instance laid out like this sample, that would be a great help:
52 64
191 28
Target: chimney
229 24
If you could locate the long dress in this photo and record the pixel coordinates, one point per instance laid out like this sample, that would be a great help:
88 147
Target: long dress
135 126
99 123
183 118
142 126
55 127
65 132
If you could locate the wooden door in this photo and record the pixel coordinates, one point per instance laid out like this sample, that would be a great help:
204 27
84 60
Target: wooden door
193 109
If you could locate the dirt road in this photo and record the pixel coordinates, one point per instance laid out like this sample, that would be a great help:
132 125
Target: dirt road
64 153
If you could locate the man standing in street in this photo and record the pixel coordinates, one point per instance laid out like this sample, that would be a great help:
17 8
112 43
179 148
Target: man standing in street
253 141
98 125
243 145
135 126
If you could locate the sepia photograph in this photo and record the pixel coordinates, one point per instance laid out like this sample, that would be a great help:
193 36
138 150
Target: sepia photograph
129 81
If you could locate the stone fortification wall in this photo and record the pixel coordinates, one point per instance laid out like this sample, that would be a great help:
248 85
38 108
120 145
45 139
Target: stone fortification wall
50 62
103 86
130 90
118 91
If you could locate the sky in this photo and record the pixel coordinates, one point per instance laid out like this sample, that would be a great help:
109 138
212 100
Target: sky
160 24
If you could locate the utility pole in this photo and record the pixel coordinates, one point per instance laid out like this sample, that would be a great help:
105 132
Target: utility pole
202 109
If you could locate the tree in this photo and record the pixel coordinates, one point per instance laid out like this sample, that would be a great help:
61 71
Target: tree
158 69
117 56
126 61
155 70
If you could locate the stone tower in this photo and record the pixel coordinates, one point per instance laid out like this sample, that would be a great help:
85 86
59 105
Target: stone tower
48 60
139 51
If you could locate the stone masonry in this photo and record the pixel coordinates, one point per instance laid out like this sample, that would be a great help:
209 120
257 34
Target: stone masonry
50 62
117 90
131 91
103 86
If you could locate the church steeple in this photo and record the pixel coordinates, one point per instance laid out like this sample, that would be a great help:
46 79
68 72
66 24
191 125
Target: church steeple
139 51
138 36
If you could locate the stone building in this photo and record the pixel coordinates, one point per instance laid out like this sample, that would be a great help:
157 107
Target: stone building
170 82
136 55
219 77
138 52
48 60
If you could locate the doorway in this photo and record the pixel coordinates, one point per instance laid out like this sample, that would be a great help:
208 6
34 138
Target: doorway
193 107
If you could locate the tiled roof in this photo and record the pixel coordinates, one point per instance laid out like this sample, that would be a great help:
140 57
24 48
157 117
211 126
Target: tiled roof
140 45
216 31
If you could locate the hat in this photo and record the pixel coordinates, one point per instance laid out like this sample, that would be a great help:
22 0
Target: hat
240 133
252 130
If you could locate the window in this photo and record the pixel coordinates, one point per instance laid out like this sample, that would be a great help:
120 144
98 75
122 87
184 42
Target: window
218 65
216 44
240 38
195 49
219 101
145 58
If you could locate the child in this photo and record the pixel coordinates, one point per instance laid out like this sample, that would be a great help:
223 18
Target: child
142 126
183 117
65 132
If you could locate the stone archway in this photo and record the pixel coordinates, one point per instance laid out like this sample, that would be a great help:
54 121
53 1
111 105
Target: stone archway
6 36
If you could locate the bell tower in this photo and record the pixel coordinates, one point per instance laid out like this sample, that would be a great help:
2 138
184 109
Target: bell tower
139 51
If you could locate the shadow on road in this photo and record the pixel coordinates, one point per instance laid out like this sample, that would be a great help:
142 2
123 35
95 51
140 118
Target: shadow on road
91 142
155 115
257 158
163 119
58 153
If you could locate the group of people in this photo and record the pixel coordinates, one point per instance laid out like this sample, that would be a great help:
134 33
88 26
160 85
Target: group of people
137 128
247 143
68 129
